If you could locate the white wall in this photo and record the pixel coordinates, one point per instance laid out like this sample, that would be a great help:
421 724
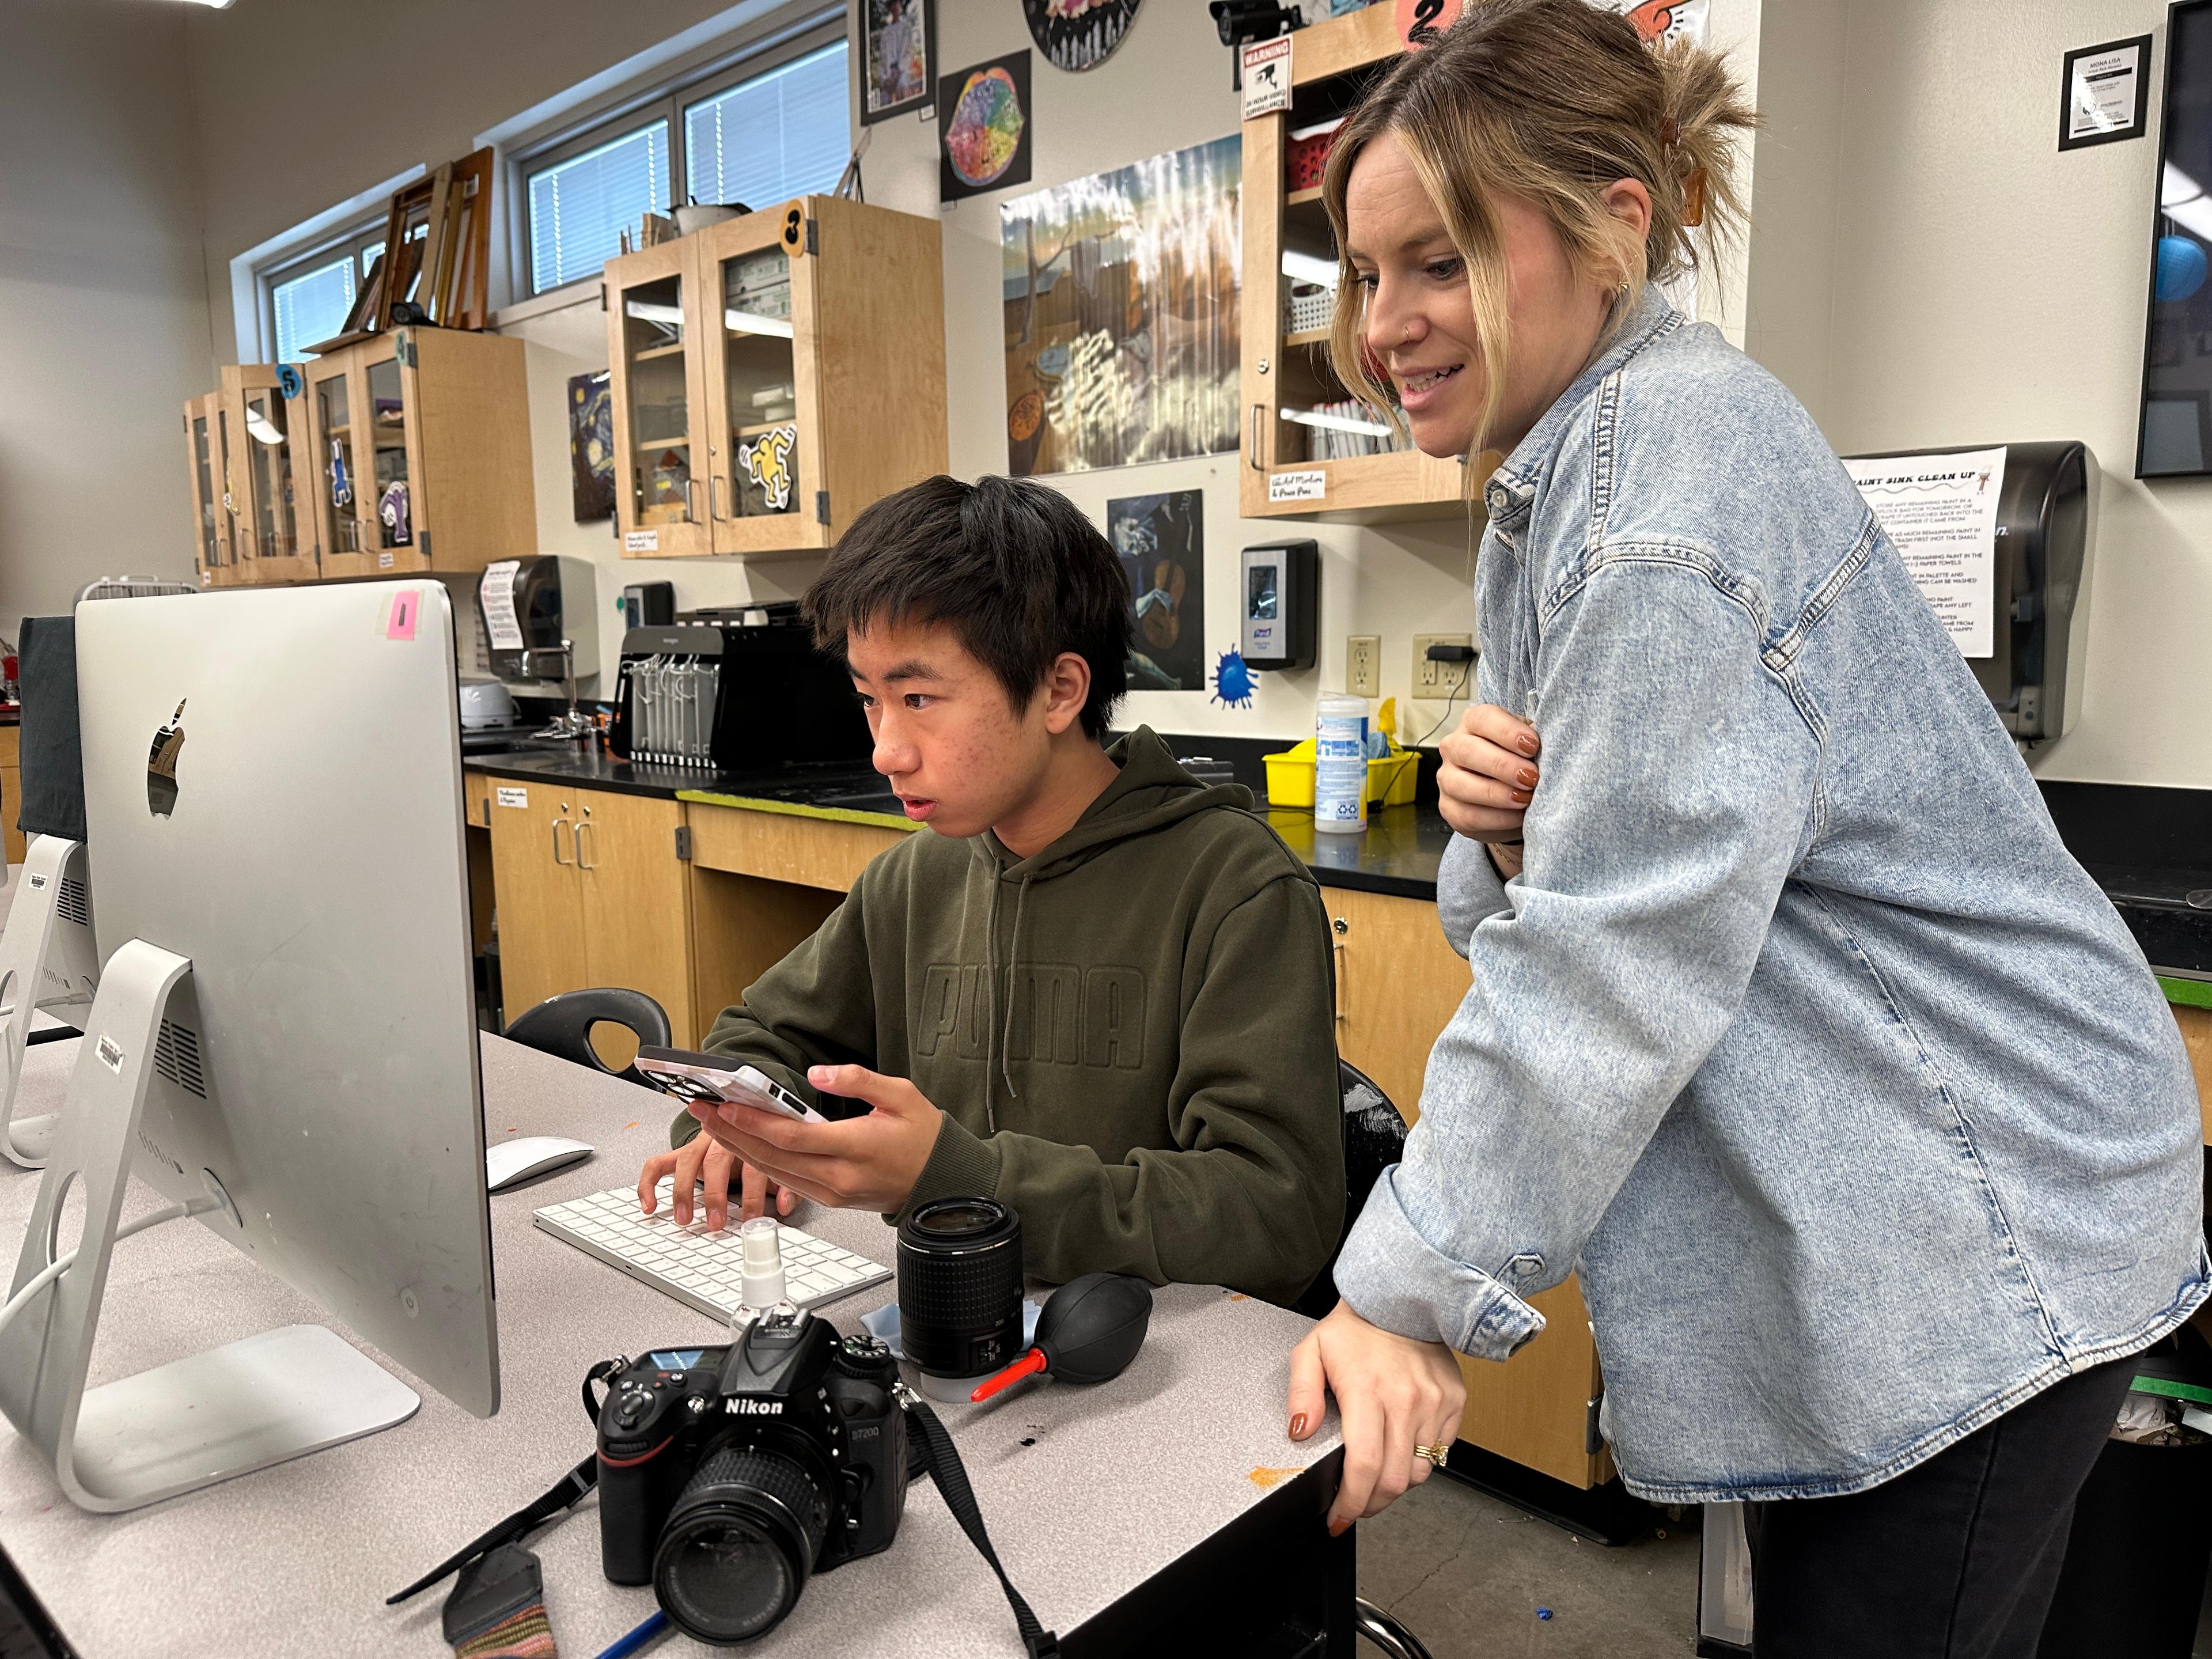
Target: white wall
103 313
1166 88
1981 286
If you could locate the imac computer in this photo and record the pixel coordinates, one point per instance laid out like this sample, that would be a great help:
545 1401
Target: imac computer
283 1042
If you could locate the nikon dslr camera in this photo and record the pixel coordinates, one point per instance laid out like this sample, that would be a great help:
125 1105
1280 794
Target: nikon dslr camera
728 1475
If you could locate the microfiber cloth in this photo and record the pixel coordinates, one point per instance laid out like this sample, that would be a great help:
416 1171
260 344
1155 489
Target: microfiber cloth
884 1326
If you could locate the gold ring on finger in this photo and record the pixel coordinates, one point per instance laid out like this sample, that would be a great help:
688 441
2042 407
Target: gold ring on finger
1434 1455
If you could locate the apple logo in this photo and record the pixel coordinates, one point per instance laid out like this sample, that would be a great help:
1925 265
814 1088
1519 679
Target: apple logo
161 765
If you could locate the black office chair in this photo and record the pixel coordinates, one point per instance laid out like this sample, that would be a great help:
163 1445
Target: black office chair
1374 1139
562 1026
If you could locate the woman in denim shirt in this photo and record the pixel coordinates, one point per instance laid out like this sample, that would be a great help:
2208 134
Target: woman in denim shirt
1799 1034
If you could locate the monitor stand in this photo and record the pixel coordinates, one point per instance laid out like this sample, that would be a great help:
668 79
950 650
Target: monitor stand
47 960
194 1421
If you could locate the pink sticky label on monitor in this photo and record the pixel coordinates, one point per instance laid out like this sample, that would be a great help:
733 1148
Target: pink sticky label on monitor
403 608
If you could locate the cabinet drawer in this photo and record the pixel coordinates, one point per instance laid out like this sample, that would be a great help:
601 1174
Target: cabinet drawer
783 846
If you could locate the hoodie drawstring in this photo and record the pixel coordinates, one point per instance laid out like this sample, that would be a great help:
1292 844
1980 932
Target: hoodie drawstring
1013 965
991 997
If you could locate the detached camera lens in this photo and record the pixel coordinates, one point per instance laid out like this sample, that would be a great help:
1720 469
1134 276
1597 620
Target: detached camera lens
960 1286
739 1545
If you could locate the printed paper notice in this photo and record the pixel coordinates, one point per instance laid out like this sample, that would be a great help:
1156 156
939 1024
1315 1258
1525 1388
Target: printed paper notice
1942 512
496 597
642 541
1266 75
2104 92
512 796
1298 486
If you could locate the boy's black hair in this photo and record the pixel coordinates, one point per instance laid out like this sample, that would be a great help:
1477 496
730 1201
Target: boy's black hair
1013 568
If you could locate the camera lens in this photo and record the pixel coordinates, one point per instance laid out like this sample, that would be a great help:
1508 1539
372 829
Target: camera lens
740 1543
960 1286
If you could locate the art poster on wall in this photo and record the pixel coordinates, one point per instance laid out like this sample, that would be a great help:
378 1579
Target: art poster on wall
592 446
899 59
983 127
1673 21
1161 541
1078 35
1122 314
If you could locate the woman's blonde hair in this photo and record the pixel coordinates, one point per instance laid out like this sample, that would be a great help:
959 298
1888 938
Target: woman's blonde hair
1553 101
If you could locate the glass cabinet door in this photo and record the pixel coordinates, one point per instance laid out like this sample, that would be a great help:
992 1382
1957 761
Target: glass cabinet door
269 467
760 388
230 500
660 472
393 490
205 502
758 383
336 476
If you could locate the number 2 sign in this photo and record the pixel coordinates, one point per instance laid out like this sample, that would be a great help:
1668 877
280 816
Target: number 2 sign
1421 22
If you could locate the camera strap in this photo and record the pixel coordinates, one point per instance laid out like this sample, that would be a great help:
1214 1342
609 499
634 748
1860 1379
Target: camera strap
942 1459
570 1490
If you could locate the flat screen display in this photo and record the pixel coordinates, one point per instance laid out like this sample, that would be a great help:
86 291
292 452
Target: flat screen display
2175 437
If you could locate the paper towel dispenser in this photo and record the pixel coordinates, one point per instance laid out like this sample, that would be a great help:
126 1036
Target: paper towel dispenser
2033 673
529 607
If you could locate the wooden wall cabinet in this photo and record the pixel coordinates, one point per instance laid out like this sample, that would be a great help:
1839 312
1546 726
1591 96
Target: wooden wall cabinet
246 450
420 439
591 891
1286 374
773 374
1397 984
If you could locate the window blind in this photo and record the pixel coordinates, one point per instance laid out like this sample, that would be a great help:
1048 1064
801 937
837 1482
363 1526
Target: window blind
313 306
777 136
579 208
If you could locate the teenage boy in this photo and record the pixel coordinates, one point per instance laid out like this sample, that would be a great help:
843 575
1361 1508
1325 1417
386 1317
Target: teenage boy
1093 988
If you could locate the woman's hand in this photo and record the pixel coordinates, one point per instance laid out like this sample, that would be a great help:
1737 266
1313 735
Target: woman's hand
1488 778
1393 1394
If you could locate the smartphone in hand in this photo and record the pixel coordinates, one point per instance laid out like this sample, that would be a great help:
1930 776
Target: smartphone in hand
694 1077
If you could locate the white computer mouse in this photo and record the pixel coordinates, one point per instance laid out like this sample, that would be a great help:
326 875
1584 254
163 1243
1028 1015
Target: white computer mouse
507 1163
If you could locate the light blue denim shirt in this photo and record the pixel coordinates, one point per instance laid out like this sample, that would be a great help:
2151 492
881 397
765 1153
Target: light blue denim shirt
1800 1036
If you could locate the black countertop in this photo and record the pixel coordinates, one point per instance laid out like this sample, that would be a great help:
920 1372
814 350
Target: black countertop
1397 855
2153 849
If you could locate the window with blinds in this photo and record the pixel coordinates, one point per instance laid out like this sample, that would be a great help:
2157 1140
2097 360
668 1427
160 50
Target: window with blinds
777 136
579 207
313 306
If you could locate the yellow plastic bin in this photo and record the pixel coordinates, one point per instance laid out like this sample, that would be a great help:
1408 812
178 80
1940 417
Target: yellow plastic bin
1389 780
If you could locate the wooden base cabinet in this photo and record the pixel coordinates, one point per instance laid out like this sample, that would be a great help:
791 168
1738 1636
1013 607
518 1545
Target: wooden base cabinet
11 793
1397 984
591 891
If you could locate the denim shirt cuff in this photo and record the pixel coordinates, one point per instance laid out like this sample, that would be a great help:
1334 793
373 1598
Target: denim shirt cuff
1394 1278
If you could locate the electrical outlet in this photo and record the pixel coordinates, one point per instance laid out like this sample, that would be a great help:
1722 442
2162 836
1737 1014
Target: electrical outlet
1441 680
1363 666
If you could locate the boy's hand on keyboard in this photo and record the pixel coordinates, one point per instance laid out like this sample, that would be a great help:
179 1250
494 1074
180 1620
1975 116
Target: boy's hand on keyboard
704 1160
867 1162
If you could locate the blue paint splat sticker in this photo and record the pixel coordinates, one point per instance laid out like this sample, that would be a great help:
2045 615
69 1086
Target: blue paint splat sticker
1232 680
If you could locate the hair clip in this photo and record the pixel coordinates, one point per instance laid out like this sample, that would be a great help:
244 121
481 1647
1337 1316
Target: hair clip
1670 132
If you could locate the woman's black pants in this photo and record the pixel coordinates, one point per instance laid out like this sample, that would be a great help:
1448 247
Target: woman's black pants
1955 1558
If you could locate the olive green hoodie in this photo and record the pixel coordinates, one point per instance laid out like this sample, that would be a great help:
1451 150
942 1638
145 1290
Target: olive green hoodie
1130 1034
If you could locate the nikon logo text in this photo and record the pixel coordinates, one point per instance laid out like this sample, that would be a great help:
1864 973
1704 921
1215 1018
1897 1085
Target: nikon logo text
755 1407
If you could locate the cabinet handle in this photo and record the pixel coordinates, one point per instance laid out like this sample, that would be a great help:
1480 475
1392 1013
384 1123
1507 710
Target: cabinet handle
691 499
578 834
1258 462
557 858
714 498
1337 945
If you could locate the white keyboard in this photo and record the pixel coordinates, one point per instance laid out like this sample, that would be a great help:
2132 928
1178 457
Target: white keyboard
699 1268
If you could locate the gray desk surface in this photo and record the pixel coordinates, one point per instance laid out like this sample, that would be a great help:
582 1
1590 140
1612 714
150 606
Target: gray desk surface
1087 1492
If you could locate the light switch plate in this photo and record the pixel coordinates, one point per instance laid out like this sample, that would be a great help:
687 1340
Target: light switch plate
1363 665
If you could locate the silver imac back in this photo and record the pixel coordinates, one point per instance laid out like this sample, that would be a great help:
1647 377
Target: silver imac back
273 794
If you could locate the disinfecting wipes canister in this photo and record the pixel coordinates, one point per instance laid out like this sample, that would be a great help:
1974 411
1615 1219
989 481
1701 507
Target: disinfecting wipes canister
1340 764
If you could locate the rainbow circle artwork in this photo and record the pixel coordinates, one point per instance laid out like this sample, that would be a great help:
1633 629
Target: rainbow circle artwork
987 127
